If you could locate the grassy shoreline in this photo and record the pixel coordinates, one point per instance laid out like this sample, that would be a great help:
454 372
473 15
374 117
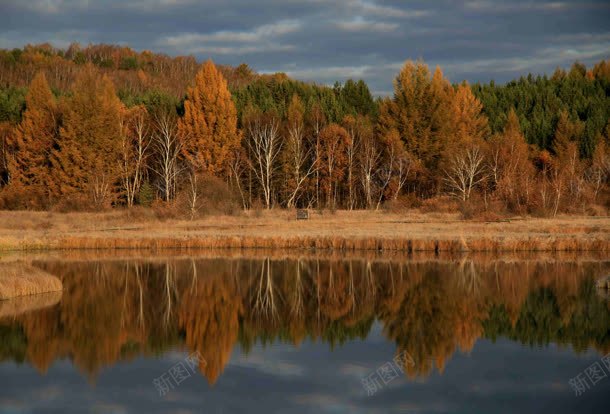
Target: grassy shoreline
278 229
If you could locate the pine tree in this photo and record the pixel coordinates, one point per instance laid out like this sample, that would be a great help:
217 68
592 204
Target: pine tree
87 158
209 126
33 140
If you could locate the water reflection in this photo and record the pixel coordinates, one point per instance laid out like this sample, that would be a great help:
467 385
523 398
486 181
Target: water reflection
115 310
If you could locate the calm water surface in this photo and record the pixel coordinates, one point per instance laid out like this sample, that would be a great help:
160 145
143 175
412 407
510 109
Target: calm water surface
287 334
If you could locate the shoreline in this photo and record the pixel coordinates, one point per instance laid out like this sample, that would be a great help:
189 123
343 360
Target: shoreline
343 231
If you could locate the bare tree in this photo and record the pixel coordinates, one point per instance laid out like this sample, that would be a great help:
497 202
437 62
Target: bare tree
167 144
299 155
264 145
100 189
385 176
599 171
369 163
135 143
317 122
558 184
237 167
402 168
466 170
193 194
351 151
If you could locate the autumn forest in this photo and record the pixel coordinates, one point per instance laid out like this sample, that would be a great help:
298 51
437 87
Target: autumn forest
102 126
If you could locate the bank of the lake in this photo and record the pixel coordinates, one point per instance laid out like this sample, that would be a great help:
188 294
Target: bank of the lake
342 230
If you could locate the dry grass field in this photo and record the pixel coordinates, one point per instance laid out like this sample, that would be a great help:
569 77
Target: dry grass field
342 230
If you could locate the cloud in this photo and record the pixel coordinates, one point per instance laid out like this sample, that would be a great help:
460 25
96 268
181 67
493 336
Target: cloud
262 39
359 25
495 7
547 57
371 8
331 40
54 6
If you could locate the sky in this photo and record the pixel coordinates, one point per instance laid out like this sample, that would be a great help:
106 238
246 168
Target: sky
332 40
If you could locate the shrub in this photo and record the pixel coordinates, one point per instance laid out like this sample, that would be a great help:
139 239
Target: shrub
146 195
213 197
33 198
439 204
402 203
165 210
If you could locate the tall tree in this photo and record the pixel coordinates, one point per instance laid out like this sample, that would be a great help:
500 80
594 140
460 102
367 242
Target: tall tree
469 123
333 141
209 124
34 138
86 160
570 168
419 111
264 145
167 145
135 142
298 164
599 171
510 170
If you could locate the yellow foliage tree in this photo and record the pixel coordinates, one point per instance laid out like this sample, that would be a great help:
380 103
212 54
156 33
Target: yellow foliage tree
209 124
33 139
420 112
87 159
469 122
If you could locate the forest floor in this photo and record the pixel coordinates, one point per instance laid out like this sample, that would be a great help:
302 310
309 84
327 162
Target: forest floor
341 230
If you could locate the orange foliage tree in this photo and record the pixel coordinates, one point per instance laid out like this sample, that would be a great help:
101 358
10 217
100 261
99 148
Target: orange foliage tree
32 142
88 154
332 160
209 125
419 111
510 170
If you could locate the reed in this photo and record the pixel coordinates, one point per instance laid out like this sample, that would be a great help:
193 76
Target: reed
344 231
338 243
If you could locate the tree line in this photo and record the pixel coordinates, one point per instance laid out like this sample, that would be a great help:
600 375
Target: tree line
236 139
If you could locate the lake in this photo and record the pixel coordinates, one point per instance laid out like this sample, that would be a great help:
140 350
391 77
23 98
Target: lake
224 332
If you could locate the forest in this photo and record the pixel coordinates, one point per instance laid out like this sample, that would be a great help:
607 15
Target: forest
103 126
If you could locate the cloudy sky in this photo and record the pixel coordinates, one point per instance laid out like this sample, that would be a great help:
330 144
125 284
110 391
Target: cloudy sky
329 40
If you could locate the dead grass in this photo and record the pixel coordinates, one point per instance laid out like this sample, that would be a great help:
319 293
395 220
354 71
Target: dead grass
18 279
278 229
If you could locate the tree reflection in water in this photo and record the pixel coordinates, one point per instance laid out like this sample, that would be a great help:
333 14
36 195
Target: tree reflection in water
114 310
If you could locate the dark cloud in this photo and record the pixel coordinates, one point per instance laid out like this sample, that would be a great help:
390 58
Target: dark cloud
329 40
